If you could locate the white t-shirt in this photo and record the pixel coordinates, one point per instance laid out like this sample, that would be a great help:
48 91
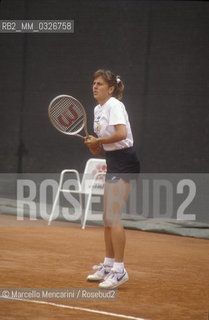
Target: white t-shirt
108 115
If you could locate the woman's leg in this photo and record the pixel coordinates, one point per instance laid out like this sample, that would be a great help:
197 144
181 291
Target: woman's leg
118 238
115 197
109 252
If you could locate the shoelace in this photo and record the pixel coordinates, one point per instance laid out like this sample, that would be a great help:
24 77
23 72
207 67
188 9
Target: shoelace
96 267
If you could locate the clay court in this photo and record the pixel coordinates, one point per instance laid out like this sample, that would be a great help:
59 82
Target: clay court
168 274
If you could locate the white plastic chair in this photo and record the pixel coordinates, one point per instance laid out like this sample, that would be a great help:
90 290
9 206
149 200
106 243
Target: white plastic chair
92 184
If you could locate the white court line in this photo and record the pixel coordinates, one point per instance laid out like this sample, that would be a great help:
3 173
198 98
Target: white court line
76 308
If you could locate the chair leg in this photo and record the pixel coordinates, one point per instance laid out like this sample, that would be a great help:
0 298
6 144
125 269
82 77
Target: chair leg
86 211
54 207
81 206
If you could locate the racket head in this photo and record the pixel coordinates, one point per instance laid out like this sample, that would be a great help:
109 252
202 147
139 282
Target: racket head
67 115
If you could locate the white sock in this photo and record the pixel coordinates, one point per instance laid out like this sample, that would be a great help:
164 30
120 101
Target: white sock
109 261
118 266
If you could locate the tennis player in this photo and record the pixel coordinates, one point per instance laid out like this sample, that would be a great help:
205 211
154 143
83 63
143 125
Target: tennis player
114 136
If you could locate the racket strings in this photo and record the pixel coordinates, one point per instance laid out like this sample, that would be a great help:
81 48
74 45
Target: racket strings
60 109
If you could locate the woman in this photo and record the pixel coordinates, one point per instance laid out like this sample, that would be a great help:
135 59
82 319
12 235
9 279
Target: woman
114 136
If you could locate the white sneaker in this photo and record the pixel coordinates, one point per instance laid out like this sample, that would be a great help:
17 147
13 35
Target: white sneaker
101 274
114 279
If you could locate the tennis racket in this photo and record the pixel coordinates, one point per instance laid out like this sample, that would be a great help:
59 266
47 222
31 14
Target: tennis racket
68 115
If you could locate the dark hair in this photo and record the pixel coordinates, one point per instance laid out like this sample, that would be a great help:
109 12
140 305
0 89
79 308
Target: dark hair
112 80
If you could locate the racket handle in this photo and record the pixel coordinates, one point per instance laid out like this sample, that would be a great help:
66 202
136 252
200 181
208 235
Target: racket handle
78 135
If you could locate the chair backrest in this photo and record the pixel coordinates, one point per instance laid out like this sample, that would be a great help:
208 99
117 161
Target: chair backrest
94 167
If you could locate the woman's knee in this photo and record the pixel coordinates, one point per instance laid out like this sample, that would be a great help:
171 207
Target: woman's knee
111 220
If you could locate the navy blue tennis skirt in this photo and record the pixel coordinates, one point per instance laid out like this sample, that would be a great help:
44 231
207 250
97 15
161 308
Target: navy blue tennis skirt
122 164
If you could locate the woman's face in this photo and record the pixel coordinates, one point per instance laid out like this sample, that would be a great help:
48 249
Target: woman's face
101 90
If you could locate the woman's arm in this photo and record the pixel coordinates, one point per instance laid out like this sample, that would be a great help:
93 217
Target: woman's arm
119 134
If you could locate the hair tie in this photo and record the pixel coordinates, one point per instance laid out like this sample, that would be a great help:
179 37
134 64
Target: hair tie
118 80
